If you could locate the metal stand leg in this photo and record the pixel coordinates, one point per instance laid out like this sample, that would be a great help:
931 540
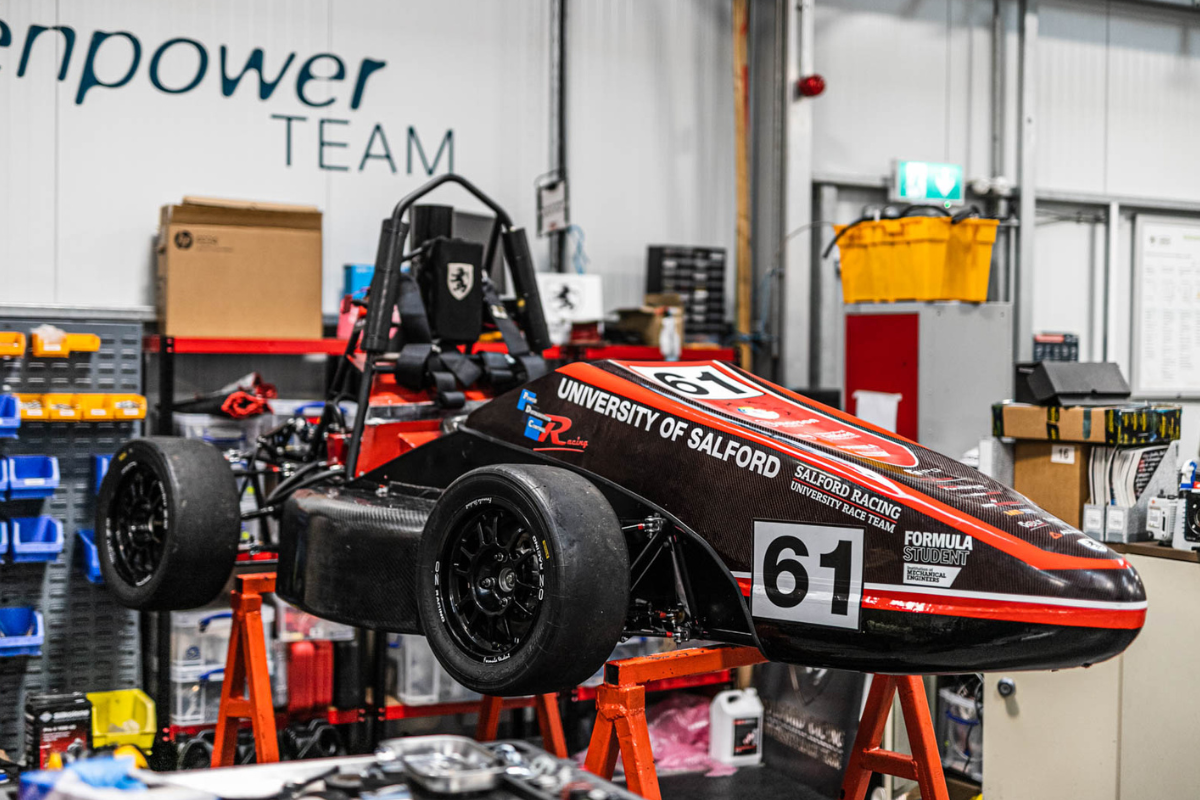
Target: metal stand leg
245 665
924 765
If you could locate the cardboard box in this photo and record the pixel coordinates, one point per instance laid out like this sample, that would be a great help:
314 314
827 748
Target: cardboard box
646 322
237 269
1124 425
1054 476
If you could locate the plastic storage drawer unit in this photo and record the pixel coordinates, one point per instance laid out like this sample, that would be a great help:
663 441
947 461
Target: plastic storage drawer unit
32 477
22 632
200 639
422 679
89 558
36 539
10 416
195 695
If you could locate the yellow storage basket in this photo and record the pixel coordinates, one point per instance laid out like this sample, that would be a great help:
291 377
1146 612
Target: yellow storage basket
916 258
122 717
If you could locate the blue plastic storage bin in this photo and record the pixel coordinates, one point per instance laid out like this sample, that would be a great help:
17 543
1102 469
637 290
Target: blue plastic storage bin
36 539
3 540
89 557
3 478
99 470
23 632
10 416
32 477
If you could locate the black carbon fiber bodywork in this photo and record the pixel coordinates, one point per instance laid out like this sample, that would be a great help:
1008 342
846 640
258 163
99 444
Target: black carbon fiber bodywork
349 555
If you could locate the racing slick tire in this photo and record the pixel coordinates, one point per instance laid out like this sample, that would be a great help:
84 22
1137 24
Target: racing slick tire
167 524
524 580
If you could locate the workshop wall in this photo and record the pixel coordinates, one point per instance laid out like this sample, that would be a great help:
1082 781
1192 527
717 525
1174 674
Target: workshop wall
650 133
142 116
144 92
1118 101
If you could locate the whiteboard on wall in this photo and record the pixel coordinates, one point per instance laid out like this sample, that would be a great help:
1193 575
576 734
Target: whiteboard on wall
1166 307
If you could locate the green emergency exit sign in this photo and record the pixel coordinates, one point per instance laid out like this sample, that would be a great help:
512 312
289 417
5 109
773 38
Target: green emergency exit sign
927 182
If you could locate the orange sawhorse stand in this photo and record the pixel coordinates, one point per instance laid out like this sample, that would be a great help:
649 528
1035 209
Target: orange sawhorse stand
621 709
246 664
924 765
549 722
621 723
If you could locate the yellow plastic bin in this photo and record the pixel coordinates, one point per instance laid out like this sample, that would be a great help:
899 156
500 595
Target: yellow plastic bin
60 407
127 406
94 407
969 260
122 717
855 250
12 343
31 406
71 343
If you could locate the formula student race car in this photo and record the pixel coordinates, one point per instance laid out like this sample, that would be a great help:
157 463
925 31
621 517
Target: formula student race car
526 520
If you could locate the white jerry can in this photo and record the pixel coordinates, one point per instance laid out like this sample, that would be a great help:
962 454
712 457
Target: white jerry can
735 727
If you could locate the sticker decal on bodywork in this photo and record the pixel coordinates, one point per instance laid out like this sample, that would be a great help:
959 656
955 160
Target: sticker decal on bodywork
807 573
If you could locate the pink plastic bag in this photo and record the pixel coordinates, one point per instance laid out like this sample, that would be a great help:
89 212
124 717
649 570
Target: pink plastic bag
679 736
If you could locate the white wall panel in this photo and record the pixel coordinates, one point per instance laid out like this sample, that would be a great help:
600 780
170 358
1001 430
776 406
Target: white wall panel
1154 104
1072 104
125 152
27 165
81 182
907 79
482 70
1068 254
650 132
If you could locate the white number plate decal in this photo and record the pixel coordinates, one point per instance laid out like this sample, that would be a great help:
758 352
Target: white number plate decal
703 382
807 573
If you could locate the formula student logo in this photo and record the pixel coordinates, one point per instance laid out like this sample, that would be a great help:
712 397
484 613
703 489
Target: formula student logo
935 559
548 430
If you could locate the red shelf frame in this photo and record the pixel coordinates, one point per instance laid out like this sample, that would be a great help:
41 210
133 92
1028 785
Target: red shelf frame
264 347
335 347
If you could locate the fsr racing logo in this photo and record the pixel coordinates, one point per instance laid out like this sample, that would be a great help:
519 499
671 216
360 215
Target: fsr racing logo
547 429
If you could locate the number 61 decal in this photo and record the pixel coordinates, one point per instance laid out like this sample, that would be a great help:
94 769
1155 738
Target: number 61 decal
807 573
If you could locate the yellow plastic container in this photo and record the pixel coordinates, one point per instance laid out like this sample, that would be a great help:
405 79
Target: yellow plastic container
12 343
94 407
71 343
969 260
856 247
127 406
122 717
916 258
31 406
60 407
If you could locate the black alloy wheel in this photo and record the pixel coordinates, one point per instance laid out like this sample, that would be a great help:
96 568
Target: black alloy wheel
523 579
167 524
494 580
137 522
